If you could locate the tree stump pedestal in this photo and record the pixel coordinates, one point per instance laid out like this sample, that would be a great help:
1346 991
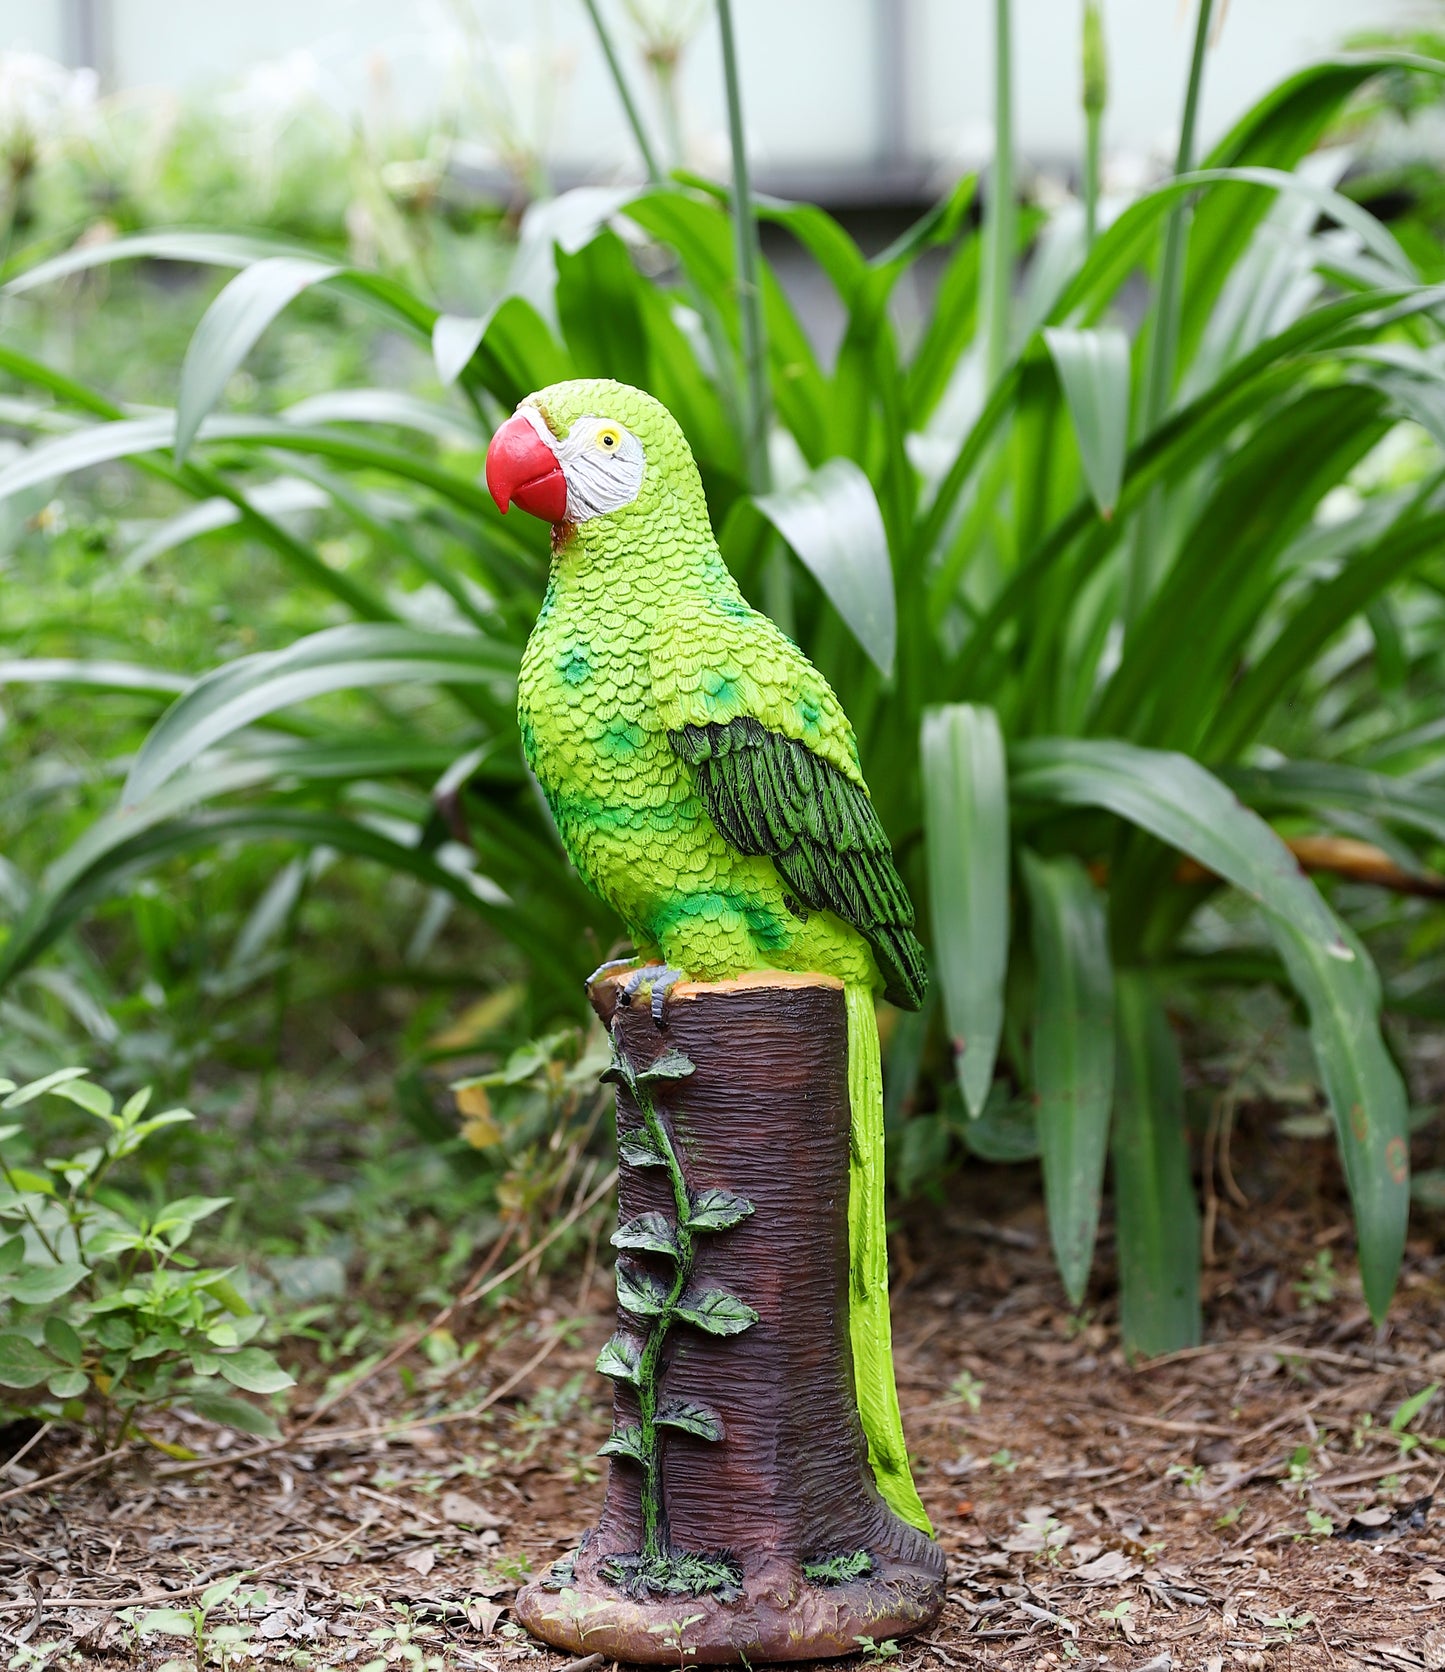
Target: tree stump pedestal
741 1521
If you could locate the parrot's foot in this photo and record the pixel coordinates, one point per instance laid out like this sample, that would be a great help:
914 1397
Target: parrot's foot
613 966
661 978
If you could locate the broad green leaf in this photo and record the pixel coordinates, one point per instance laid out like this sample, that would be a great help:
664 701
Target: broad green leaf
832 521
717 1312
363 655
94 1099
22 1364
637 1149
625 1441
1409 1409
229 329
39 1285
64 1341
1176 800
691 1418
1093 368
716 1210
254 1369
671 1065
450 425
620 1359
233 1413
639 1292
38 1088
651 1232
168 1622
1156 1217
966 824
455 338
68 1384
1073 1055
12 1251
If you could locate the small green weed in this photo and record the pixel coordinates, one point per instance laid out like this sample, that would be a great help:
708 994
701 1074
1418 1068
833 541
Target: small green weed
1319 1283
967 1390
838 1569
222 1644
875 1651
104 1317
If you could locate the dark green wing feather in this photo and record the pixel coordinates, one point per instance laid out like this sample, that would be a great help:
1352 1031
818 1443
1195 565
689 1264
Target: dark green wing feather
770 794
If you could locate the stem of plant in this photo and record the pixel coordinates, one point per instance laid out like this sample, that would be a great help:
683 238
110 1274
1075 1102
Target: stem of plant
777 581
624 93
1164 343
652 1506
1000 210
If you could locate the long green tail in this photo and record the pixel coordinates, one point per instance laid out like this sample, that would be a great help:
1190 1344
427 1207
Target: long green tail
869 1324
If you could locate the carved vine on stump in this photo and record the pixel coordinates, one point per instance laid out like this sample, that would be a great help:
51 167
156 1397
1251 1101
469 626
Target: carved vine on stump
741 1520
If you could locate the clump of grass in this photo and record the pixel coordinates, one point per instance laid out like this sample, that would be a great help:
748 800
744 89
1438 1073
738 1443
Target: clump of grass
676 1573
838 1569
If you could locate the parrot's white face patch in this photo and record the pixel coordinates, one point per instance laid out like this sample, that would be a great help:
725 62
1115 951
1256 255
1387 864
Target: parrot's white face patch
604 466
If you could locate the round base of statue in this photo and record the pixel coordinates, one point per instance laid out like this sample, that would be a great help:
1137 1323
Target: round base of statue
742 1522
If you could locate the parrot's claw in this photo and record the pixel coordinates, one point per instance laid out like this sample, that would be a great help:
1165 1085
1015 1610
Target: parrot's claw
613 966
661 978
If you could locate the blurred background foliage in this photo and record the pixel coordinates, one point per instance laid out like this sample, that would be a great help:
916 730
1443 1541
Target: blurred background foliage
1115 521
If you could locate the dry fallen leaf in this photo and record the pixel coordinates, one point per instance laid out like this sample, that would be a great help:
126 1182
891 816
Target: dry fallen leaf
463 1511
1112 1568
481 1615
420 1561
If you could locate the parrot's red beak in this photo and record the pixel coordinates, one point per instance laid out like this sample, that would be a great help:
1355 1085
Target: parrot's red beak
523 470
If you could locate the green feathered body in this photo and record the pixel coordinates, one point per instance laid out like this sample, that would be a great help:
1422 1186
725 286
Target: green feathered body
706 783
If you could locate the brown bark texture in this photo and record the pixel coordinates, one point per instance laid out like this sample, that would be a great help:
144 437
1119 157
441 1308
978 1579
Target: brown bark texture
765 1115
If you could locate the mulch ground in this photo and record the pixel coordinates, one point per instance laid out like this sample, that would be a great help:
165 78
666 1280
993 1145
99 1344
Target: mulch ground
1244 1504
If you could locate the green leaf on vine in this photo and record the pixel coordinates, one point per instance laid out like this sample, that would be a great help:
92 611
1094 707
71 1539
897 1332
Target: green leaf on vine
717 1312
716 1210
649 1231
624 1442
671 1065
638 1149
621 1360
640 1293
691 1418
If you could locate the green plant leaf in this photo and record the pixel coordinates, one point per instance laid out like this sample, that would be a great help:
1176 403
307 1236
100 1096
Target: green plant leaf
717 1312
637 1149
625 1441
38 1088
22 1364
832 521
229 329
621 1360
966 823
39 1285
691 1418
648 1231
68 1384
255 1370
1093 369
1176 800
94 1099
639 1292
715 1209
1073 1055
363 655
671 1065
12 1255
1409 1409
231 1412
1156 1217
166 1622
64 1341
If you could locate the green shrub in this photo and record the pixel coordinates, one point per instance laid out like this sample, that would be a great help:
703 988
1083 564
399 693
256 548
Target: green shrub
106 1320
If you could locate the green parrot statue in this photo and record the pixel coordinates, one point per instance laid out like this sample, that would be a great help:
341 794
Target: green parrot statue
705 780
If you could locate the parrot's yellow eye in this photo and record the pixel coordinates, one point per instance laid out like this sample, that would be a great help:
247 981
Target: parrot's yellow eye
609 440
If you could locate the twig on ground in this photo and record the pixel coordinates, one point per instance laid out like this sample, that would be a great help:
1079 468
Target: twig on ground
152 1597
74 1472
29 1445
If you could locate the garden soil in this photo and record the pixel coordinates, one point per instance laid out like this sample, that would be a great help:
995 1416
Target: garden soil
1246 1503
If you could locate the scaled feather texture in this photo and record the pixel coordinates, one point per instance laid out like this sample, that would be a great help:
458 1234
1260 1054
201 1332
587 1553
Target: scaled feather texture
705 782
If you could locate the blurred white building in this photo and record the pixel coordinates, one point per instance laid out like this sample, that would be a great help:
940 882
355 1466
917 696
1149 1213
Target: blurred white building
861 100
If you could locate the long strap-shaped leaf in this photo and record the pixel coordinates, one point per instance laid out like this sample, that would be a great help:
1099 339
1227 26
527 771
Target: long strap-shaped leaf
1073 1054
965 800
1175 799
358 657
1155 1215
